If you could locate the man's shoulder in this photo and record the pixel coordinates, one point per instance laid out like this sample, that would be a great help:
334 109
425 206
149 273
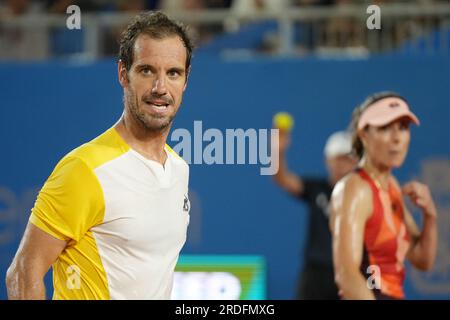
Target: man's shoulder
99 150
177 158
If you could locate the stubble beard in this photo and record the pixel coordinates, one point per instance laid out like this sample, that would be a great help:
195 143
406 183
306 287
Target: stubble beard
150 122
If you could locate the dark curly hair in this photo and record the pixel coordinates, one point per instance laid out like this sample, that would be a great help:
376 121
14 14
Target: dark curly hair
156 25
357 146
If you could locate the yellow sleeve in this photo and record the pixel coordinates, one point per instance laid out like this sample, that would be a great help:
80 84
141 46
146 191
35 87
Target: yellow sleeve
70 202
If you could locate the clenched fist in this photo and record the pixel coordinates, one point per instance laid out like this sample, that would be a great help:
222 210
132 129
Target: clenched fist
420 195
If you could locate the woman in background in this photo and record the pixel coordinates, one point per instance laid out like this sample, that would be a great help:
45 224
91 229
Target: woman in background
373 231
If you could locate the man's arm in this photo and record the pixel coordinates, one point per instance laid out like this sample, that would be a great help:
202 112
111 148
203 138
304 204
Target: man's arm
287 180
37 252
351 207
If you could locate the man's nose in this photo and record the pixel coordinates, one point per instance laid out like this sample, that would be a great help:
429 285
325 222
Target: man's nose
159 86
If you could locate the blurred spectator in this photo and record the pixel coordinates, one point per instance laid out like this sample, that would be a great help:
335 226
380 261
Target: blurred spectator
181 5
312 2
343 32
306 36
110 35
17 42
248 8
208 32
60 6
132 5
199 33
266 31
219 4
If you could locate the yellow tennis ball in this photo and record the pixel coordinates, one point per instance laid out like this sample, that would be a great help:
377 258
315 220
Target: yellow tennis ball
283 121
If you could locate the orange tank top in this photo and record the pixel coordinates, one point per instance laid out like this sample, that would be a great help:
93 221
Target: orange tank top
386 242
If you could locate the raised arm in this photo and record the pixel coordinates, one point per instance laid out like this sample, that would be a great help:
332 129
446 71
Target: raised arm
351 206
286 179
37 252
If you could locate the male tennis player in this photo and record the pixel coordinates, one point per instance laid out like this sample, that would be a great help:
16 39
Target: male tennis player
112 217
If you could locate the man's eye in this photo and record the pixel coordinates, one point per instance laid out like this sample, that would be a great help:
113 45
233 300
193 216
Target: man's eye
146 71
173 73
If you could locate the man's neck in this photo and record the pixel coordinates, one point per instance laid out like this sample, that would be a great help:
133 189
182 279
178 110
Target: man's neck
149 144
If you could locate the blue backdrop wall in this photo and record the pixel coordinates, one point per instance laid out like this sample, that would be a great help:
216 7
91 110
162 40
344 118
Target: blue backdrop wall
48 109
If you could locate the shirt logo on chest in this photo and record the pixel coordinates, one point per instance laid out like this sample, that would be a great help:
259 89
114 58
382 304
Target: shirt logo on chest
186 204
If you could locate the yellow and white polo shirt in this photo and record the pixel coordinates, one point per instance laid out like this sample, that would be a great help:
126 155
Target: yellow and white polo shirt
125 219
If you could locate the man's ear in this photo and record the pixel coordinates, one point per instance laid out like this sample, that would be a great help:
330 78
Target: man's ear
122 74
